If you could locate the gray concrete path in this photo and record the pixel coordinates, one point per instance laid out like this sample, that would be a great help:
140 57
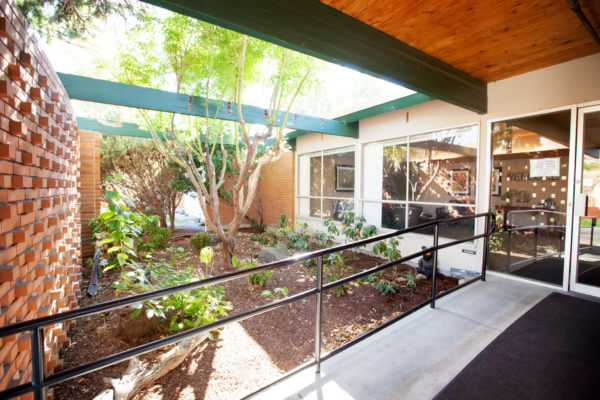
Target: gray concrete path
417 356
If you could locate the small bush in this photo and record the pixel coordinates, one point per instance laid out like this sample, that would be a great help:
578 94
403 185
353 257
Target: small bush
159 238
200 241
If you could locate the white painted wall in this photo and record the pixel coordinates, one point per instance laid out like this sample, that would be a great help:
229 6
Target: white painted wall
563 85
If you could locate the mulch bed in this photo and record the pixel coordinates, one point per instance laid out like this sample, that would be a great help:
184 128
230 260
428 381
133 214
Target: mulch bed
283 337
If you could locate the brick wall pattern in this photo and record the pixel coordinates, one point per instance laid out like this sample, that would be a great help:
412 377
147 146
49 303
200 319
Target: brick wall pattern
39 216
275 193
89 187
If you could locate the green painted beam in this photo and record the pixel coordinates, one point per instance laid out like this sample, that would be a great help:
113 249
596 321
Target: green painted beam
113 128
314 28
102 91
131 129
393 105
383 108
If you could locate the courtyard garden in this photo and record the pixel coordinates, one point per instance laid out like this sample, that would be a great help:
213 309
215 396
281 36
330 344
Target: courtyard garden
138 255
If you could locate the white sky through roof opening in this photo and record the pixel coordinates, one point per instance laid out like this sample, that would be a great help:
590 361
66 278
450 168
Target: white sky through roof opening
339 90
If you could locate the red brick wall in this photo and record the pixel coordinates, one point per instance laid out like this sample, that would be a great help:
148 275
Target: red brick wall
89 186
275 192
39 216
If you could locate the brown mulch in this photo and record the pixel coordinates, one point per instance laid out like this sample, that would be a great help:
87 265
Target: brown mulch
244 356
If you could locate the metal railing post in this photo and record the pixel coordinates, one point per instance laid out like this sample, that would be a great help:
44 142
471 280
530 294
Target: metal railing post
37 360
508 246
535 242
318 313
486 247
435 257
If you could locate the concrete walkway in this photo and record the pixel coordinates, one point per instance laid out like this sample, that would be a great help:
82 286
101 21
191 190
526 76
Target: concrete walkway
416 357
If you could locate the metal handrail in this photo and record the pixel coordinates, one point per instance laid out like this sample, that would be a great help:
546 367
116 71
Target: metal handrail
35 327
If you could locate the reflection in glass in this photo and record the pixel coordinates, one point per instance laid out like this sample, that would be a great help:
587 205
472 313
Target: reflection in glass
315 176
334 208
442 166
393 216
394 172
529 195
315 208
338 175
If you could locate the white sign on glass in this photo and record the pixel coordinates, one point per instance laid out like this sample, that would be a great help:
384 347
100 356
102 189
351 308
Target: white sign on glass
541 167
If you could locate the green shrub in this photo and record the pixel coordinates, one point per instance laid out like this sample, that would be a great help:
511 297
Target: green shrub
184 309
200 241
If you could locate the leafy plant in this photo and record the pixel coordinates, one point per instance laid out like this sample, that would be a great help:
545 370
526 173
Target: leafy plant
206 255
260 238
323 239
334 269
353 227
185 309
411 281
258 278
385 286
277 293
388 249
200 241
119 228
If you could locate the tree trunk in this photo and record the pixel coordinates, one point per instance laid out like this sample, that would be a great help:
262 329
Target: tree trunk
228 247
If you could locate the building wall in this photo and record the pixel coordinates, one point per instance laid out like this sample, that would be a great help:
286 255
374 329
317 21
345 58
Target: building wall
563 85
274 193
39 215
89 187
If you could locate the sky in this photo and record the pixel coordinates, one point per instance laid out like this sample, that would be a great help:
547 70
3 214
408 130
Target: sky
342 90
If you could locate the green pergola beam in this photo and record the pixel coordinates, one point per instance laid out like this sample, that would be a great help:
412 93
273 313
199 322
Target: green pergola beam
102 91
393 105
131 129
314 28
113 128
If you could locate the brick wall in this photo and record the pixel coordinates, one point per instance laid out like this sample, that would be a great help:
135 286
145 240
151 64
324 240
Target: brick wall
39 217
89 186
275 193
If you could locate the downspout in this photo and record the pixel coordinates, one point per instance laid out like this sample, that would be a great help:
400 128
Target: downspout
576 8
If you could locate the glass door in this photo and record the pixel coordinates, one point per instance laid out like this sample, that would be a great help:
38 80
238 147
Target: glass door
585 265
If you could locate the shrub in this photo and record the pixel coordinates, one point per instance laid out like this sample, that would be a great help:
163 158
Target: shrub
257 278
185 309
200 241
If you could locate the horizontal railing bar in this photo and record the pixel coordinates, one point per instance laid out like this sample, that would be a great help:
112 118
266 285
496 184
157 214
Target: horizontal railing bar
545 255
535 210
395 319
389 264
148 347
110 305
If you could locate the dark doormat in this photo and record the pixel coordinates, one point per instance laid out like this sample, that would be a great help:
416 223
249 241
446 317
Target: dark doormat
551 352
547 270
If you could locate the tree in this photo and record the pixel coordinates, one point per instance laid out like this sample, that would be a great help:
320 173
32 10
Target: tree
147 178
196 58
71 18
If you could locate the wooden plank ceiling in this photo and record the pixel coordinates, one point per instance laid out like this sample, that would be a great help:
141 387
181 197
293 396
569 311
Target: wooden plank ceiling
487 39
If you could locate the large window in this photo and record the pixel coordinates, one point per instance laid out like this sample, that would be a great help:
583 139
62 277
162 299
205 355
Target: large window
326 183
422 178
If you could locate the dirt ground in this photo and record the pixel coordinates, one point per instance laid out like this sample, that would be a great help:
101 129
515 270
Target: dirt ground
243 356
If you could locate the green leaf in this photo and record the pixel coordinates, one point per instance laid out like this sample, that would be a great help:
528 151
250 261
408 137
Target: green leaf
135 313
113 249
110 195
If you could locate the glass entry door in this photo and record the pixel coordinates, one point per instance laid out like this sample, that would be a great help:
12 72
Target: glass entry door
585 265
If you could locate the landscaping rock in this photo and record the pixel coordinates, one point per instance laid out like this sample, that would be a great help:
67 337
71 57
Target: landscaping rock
270 254
214 239
137 327
401 279
461 281
420 277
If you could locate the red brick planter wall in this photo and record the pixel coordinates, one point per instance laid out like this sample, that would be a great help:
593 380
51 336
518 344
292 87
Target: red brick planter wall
39 215
89 187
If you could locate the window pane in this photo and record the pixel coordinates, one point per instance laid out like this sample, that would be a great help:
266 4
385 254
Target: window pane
393 216
315 176
394 172
315 208
443 166
335 208
338 174
422 213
